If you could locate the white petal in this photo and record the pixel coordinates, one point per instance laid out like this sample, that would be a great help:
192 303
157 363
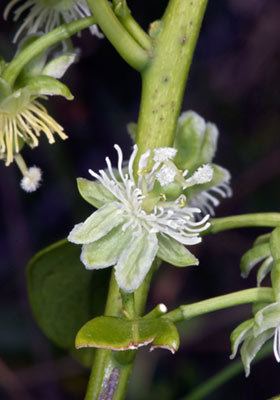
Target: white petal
135 261
105 252
97 225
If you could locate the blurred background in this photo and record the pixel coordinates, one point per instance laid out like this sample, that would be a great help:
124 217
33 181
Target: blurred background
234 82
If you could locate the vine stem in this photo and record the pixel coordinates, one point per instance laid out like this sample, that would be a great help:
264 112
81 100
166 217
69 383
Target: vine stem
269 220
40 45
189 311
119 37
164 79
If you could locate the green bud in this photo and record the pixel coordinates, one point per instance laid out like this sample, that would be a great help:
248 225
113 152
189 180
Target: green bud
189 139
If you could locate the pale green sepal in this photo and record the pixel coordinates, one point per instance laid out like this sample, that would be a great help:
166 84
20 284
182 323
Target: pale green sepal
47 86
105 252
174 253
262 239
267 318
252 257
94 192
57 67
239 334
189 139
136 260
119 334
209 145
97 225
264 270
251 347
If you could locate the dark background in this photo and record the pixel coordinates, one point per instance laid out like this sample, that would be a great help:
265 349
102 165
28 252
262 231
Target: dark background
234 82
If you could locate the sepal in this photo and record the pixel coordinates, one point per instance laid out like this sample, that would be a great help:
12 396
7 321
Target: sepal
94 192
47 86
175 253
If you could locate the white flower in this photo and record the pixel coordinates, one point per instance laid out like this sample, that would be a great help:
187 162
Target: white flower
252 334
31 180
134 224
45 15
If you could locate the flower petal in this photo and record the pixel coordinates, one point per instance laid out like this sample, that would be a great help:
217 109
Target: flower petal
175 253
239 334
252 346
97 225
264 270
252 257
94 192
267 318
135 261
105 251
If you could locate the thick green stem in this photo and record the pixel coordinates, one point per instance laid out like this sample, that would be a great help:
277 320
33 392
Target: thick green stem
189 311
165 78
112 28
59 34
269 220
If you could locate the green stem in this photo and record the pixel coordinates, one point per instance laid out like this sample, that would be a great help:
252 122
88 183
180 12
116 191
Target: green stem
112 28
165 78
189 311
269 220
124 15
233 369
59 34
128 304
164 81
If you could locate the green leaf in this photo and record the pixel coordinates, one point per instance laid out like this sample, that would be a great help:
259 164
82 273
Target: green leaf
94 193
43 85
63 294
175 253
252 257
121 334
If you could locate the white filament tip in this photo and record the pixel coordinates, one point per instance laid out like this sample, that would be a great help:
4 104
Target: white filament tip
31 180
